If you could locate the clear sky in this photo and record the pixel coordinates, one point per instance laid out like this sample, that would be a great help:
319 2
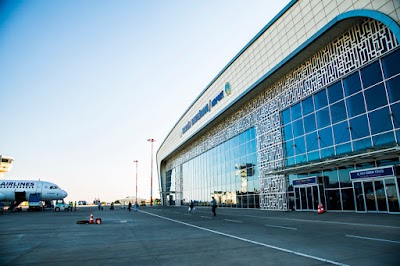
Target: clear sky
84 84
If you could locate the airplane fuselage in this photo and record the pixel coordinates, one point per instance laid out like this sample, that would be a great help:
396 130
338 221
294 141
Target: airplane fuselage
20 190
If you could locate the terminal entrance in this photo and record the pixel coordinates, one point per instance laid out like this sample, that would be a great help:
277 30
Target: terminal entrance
380 195
307 198
307 194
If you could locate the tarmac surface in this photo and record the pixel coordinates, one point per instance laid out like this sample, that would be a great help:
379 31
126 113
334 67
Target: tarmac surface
161 235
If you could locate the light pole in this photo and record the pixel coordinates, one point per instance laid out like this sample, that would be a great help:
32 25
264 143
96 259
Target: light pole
136 161
151 172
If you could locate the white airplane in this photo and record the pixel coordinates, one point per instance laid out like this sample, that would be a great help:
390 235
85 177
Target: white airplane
17 191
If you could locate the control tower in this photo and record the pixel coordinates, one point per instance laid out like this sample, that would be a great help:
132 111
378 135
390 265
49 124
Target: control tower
5 164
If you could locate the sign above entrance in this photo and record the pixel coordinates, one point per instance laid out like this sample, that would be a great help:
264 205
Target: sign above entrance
372 173
305 181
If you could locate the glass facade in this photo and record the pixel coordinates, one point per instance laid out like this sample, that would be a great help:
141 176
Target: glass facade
359 112
341 104
227 172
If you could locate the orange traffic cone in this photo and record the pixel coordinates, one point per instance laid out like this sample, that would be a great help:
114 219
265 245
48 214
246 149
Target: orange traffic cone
321 209
91 218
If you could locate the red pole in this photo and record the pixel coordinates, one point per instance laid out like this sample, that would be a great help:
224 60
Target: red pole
151 172
136 161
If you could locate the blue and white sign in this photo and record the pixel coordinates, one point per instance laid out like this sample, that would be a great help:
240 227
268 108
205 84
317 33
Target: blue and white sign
305 181
372 173
207 108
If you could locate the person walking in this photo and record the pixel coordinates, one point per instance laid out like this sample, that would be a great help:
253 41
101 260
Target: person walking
191 206
129 206
99 204
213 205
75 206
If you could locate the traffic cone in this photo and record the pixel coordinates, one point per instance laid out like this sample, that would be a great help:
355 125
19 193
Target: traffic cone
91 219
321 209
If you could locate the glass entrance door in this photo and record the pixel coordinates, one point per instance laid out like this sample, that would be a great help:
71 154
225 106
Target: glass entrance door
380 195
306 198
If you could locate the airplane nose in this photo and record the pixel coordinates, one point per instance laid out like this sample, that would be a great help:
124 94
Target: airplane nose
64 194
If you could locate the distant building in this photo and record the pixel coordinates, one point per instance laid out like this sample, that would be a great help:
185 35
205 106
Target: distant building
307 112
5 164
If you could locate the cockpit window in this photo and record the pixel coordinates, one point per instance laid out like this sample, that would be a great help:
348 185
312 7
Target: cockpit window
53 187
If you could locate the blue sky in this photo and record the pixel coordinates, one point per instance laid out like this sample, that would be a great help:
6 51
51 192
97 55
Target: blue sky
84 84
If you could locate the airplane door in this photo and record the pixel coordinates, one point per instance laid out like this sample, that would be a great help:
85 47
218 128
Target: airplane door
38 187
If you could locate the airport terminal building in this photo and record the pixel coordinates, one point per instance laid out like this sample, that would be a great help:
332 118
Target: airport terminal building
307 112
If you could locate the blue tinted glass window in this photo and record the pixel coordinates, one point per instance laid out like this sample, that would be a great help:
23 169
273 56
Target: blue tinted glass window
309 123
380 121
289 148
299 145
320 99
325 137
327 152
390 64
393 86
313 155
352 84
298 129
343 148
338 112
396 114
376 97
286 116
341 133
323 117
335 92
296 111
355 105
312 141
359 127
362 144
371 74
308 105
383 139
287 130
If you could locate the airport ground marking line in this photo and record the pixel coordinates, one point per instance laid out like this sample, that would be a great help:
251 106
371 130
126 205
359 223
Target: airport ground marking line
283 227
328 222
206 217
248 240
234 221
375 239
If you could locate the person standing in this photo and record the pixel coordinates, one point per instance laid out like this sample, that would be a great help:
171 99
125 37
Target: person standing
99 204
129 206
213 205
75 206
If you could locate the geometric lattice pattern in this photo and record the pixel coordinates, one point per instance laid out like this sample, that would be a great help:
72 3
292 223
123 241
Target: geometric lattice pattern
359 46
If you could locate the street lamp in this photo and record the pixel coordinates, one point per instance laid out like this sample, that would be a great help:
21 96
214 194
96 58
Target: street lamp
151 173
136 161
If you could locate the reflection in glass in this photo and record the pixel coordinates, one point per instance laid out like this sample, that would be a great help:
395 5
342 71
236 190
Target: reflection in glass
369 196
333 199
359 196
392 196
344 176
380 195
348 199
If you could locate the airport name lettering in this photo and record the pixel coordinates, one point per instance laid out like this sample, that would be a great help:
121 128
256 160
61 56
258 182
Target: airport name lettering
202 112
17 185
